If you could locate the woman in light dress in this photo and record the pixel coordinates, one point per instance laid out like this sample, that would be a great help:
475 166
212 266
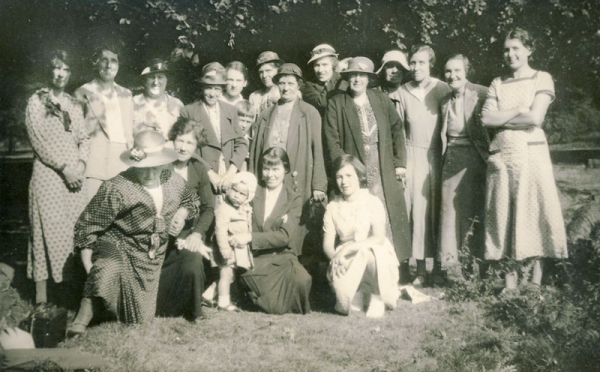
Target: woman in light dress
364 266
523 214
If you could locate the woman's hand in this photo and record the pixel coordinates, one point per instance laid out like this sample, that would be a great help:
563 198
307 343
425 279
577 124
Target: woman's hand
178 222
227 178
318 195
73 178
238 240
215 180
340 264
86 259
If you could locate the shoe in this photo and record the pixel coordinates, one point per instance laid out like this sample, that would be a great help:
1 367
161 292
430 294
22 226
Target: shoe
419 282
76 329
376 307
208 303
198 319
230 308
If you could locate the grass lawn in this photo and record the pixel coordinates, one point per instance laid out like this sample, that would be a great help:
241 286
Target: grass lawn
432 336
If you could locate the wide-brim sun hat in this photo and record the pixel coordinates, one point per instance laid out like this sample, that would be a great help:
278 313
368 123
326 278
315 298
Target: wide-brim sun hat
288 69
320 51
212 77
149 150
155 65
360 64
393 56
266 57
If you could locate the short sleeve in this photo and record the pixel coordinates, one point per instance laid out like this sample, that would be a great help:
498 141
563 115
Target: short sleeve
378 213
544 85
328 225
491 102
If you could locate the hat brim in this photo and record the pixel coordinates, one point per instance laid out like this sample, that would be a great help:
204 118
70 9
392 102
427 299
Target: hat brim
165 71
361 71
279 76
405 67
271 60
165 156
318 56
204 82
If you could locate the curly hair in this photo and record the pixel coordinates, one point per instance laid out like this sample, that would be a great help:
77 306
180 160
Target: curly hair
184 126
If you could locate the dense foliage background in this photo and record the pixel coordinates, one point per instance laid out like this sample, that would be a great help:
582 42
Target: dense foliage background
193 32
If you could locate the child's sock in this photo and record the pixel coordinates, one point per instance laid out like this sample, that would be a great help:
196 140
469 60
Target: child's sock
209 293
224 301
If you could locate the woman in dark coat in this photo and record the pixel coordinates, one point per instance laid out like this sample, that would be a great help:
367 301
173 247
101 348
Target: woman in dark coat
278 283
182 276
294 126
364 123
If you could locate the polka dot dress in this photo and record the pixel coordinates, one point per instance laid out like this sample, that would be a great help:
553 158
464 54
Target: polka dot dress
53 208
523 214
117 225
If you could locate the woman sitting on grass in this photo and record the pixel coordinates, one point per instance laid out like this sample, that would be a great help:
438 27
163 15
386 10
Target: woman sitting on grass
123 233
364 263
278 283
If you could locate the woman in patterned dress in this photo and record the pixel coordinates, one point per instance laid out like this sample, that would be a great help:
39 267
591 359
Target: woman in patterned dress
123 233
364 262
419 108
364 123
523 218
56 130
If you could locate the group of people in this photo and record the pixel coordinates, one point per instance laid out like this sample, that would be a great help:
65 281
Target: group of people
149 192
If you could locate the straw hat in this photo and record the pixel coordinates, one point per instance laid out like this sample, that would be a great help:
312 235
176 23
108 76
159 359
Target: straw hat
148 151
156 65
320 51
393 56
360 64
288 69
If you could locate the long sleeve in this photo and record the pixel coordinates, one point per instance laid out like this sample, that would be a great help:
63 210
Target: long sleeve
332 136
207 201
282 232
80 133
398 136
240 145
35 121
98 216
319 177
222 219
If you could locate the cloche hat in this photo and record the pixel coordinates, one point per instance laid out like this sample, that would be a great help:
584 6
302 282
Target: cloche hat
393 56
266 57
322 50
148 151
155 65
288 69
213 73
360 64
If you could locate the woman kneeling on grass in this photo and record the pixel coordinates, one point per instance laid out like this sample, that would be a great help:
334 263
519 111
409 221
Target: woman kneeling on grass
364 263
123 233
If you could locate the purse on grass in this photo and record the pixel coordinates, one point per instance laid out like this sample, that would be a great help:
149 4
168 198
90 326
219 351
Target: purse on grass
47 327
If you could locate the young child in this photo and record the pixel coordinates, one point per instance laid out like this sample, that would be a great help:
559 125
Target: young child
233 216
246 119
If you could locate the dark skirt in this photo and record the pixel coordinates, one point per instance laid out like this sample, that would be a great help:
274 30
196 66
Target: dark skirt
279 284
181 284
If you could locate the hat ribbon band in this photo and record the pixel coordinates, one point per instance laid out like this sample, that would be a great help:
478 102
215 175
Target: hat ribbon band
323 51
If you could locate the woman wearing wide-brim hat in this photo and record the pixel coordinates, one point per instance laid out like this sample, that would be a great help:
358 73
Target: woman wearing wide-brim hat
267 65
123 233
295 126
155 108
226 148
364 123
